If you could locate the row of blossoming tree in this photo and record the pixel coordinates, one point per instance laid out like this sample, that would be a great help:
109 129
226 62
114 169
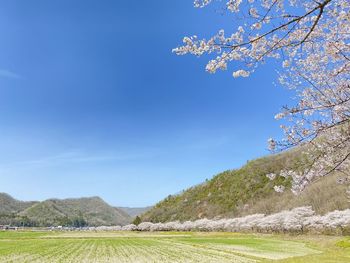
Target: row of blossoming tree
301 219
311 38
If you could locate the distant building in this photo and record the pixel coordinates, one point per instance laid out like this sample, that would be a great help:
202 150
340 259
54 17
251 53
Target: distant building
6 227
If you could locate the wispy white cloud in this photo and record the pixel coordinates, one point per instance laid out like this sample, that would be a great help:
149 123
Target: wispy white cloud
9 74
75 157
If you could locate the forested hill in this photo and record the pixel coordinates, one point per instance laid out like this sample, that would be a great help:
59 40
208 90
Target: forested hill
8 204
92 211
247 190
134 211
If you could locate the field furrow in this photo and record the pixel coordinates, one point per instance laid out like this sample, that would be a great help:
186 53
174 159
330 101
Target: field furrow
125 247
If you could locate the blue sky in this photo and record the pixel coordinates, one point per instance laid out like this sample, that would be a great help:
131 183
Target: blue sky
93 101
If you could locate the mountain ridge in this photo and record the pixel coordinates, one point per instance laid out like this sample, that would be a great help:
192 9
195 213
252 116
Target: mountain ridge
134 211
91 211
8 204
247 190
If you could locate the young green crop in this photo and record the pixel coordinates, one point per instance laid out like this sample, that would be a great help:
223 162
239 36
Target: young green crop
168 247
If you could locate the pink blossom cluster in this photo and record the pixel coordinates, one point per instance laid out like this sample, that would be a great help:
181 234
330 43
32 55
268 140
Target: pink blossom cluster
295 220
312 41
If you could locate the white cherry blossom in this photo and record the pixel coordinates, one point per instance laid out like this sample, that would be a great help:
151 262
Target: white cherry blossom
311 39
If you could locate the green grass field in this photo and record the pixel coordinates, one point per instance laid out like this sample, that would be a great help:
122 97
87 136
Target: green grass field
169 247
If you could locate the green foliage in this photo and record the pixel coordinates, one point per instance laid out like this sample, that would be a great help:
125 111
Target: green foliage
247 190
137 221
14 219
16 246
344 243
68 212
79 222
10 205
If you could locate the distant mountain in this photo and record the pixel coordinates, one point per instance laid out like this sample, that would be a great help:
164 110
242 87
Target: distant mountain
247 190
10 205
92 211
135 211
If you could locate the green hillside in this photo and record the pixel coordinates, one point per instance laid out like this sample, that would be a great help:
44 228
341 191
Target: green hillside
247 190
10 205
134 211
91 211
